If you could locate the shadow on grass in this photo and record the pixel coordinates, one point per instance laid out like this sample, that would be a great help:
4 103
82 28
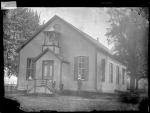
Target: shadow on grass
135 98
10 105
88 95
129 97
144 104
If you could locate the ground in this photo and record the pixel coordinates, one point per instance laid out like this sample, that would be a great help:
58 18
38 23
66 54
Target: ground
70 103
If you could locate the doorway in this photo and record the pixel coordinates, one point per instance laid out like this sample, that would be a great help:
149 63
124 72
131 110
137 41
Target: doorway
48 69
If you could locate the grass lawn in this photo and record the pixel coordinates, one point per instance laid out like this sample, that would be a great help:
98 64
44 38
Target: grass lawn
70 103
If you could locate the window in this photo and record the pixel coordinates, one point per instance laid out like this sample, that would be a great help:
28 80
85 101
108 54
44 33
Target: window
117 74
123 75
81 68
29 73
110 72
103 63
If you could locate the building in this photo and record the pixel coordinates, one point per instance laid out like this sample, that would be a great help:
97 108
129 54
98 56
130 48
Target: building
61 57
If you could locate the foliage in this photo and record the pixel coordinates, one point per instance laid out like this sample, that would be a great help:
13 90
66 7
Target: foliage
129 97
18 25
129 33
144 104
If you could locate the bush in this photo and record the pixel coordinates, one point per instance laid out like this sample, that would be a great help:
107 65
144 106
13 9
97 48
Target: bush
131 97
143 106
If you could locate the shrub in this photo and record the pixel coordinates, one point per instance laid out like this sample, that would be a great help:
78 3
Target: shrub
131 97
143 106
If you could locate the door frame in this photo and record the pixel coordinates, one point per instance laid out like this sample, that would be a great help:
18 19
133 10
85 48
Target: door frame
51 62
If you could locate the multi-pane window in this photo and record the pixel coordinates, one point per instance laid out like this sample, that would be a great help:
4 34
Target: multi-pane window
123 75
117 74
110 72
103 63
81 67
29 73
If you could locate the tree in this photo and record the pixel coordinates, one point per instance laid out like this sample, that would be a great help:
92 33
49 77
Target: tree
18 25
129 33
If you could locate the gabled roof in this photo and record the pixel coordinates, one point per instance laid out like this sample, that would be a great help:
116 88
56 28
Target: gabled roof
86 36
97 44
63 59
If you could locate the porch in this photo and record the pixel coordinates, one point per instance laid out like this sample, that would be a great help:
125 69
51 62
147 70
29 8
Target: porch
44 86
45 73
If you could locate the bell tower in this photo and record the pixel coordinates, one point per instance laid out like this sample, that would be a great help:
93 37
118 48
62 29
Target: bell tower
51 40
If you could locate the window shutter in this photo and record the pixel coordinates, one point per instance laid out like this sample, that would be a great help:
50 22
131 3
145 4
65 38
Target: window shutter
112 73
123 76
32 69
87 68
120 74
103 69
117 74
27 69
75 68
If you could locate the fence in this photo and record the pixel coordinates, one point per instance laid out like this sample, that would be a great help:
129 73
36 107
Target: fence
33 84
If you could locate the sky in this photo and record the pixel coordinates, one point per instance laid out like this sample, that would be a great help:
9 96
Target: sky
92 21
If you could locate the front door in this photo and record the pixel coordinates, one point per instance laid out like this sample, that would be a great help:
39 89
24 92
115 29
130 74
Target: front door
48 69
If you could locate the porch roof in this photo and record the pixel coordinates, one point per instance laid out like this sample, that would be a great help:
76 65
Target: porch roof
60 57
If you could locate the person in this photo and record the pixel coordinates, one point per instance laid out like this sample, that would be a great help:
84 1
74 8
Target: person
79 82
